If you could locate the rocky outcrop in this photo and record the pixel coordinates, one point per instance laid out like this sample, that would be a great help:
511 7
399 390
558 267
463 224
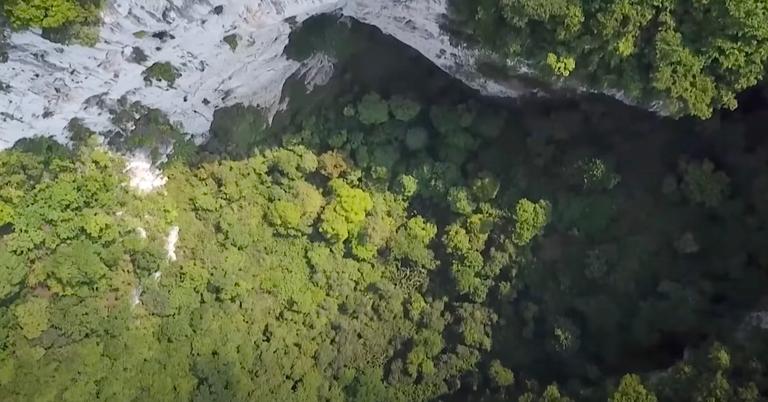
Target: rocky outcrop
417 23
48 84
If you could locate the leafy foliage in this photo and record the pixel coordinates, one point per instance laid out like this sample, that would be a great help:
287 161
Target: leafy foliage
530 219
631 390
702 184
373 110
345 213
44 13
32 317
500 375
332 261
593 174
693 56
62 21
236 136
404 109
161 71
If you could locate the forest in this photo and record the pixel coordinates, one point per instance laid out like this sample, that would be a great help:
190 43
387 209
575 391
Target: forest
685 57
395 236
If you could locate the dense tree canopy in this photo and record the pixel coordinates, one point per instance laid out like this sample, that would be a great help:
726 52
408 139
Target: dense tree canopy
44 13
410 244
692 56
62 21
332 260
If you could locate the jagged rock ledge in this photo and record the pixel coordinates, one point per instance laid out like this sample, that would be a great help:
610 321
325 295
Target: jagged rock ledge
49 84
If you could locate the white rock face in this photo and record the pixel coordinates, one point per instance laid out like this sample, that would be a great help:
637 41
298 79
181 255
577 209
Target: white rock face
51 84
143 176
136 296
170 243
141 232
417 24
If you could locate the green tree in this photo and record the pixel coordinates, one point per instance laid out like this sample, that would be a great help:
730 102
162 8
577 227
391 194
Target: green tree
372 109
332 164
13 270
44 13
679 73
309 199
73 269
236 130
460 201
32 316
475 325
692 56
378 228
500 375
344 214
593 174
552 394
530 219
406 185
485 187
561 65
702 184
404 109
286 215
411 243
368 387
631 389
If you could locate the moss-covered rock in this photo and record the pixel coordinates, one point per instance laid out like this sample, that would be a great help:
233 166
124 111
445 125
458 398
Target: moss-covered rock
161 71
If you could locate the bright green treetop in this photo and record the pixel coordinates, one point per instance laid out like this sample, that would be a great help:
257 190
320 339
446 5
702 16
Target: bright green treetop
500 375
345 213
530 219
44 13
631 389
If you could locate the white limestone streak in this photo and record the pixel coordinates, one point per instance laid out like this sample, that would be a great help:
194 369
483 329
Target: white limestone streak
143 176
141 232
317 70
170 243
136 295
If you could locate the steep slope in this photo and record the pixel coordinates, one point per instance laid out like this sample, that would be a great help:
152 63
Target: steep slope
51 84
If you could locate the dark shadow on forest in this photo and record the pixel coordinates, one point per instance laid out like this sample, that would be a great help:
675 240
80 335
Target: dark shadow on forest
541 137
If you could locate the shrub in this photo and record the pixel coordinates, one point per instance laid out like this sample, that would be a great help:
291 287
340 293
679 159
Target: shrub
593 174
231 40
161 71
